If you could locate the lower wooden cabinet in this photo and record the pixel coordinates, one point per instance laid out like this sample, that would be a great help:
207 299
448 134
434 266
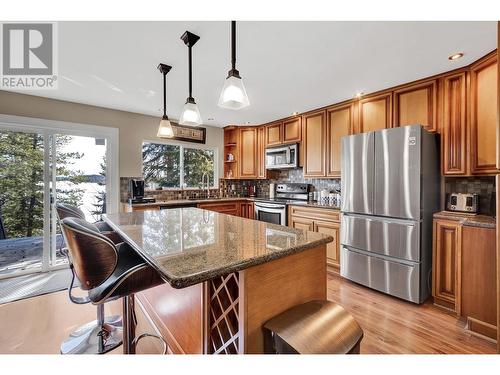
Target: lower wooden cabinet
464 273
478 290
333 248
321 220
247 210
229 208
446 256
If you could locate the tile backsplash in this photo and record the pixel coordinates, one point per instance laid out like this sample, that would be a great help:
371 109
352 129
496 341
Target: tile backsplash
297 175
484 186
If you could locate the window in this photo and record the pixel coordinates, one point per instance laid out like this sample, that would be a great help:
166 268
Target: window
169 165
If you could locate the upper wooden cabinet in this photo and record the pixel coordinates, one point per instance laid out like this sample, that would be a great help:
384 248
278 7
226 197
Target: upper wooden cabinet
314 126
248 160
292 130
284 131
274 134
483 116
340 120
261 152
375 113
453 132
417 104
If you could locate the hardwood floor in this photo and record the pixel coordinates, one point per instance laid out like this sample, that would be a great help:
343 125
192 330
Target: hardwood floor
394 326
39 324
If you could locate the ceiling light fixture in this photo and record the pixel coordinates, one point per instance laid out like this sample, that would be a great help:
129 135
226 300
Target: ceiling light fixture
233 94
359 94
165 129
190 113
455 56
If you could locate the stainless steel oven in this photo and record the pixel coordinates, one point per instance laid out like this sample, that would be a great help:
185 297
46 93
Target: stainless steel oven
270 212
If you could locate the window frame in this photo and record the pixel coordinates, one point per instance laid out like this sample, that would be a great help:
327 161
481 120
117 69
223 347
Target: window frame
182 146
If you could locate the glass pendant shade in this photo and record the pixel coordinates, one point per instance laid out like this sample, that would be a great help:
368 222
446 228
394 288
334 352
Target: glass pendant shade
165 129
190 115
233 95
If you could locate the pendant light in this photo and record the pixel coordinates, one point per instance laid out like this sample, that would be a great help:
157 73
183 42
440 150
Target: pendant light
233 95
165 129
190 113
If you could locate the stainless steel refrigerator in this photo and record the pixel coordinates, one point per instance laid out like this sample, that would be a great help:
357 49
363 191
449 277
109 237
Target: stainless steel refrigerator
390 189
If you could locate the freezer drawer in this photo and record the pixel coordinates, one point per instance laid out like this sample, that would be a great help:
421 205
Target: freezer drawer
389 237
397 279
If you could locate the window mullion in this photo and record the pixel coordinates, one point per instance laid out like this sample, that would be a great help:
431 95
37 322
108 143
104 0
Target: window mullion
181 158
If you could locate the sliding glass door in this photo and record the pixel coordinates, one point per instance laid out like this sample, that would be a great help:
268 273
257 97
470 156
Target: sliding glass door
38 168
22 201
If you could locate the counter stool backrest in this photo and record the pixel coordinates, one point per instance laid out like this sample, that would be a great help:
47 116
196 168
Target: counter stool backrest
94 256
65 210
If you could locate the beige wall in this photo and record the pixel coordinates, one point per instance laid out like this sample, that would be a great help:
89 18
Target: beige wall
133 127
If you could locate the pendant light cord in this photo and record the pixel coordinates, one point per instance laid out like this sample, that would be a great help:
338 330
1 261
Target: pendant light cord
164 94
233 44
190 73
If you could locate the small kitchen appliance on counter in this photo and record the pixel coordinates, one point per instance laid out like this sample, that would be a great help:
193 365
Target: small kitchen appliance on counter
136 192
463 202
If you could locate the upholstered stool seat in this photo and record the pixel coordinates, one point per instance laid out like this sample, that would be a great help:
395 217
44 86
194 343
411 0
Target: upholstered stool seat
315 327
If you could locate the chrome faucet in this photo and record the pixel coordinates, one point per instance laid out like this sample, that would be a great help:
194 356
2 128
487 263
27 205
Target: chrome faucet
207 184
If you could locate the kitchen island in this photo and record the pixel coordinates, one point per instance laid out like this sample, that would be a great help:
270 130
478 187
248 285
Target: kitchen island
225 276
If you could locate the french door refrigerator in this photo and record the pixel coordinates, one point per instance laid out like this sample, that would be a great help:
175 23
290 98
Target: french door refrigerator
390 189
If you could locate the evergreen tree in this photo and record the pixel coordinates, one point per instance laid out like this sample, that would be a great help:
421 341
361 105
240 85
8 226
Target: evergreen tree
21 181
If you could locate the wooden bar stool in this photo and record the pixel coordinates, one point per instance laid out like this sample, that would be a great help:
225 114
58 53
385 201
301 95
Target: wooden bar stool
315 327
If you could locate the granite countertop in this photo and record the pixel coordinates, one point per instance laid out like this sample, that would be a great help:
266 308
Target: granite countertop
470 220
178 202
190 245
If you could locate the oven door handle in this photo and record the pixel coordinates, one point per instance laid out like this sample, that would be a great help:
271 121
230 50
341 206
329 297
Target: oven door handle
270 206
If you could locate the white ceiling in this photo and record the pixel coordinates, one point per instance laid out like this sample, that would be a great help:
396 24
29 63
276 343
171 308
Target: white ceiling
286 66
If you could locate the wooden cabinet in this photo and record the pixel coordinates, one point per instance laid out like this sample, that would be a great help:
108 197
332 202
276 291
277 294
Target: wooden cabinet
375 113
301 223
274 134
322 220
453 133
446 256
333 248
314 126
247 210
261 152
229 208
483 116
340 121
464 273
288 130
231 151
478 289
417 104
292 130
248 161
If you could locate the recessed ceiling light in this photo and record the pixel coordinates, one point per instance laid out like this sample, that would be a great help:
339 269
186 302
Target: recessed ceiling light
295 113
211 119
455 56
360 94
248 122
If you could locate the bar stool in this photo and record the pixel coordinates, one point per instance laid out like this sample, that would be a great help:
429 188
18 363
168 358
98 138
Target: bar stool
108 271
315 327
88 330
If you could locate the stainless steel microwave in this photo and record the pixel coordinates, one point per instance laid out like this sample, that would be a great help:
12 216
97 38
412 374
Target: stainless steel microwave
282 157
